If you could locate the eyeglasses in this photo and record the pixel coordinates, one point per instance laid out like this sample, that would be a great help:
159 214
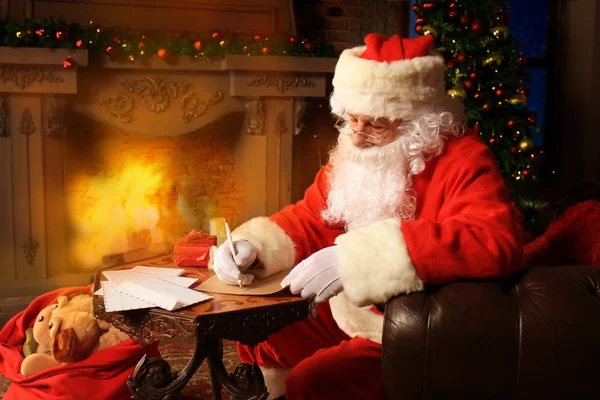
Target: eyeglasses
342 126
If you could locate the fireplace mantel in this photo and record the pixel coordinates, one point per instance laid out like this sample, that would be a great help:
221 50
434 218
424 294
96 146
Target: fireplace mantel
154 98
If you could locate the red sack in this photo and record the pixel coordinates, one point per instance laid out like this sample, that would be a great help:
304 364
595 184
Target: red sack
193 250
101 376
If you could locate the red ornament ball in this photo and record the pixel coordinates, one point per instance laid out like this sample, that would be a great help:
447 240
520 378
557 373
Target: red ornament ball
162 53
292 39
80 44
468 84
61 34
465 19
473 75
197 45
29 32
450 64
478 27
461 58
265 50
245 48
217 34
499 92
453 14
492 140
428 6
510 123
486 106
309 46
39 32
257 37
453 6
478 96
141 45
525 172
110 50
416 8
69 63
420 21
418 28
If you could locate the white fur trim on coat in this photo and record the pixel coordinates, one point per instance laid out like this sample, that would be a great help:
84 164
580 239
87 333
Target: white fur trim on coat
276 250
375 264
356 321
386 90
275 380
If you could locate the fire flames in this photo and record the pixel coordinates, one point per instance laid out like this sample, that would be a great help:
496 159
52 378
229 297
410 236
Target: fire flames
125 214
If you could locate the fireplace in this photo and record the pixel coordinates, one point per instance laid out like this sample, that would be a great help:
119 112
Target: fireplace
108 163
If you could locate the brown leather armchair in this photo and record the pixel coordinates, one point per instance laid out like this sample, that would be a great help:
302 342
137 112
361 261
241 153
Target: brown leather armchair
534 336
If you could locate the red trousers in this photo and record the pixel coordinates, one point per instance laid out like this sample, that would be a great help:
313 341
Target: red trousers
327 363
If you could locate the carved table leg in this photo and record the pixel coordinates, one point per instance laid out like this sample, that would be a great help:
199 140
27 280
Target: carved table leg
153 379
246 382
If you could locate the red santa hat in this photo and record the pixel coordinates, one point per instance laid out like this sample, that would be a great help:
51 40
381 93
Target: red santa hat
390 78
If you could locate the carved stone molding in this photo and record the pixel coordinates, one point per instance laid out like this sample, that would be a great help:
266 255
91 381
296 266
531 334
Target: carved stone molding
55 109
280 123
282 83
300 110
116 106
156 92
3 116
255 117
192 108
23 77
27 126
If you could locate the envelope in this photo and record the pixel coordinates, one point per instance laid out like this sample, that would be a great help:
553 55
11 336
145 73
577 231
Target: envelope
258 287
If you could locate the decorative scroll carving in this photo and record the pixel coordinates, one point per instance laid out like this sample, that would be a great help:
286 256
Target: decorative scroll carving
30 248
116 106
282 83
255 117
55 109
301 105
153 379
23 77
192 108
157 93
3 116
280 123
27 126
254 326
147 326
245 383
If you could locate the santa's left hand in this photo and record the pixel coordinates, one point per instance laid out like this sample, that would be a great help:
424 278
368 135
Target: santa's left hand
318 276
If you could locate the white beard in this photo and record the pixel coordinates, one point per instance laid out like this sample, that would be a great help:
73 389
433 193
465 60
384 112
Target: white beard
368 184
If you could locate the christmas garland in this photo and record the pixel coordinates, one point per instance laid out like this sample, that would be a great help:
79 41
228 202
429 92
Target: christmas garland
128 45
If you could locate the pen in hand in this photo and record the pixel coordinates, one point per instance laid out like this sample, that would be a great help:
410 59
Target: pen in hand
232 248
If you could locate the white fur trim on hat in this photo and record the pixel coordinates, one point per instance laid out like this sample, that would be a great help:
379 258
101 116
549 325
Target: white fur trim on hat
276 250
375 264
386 90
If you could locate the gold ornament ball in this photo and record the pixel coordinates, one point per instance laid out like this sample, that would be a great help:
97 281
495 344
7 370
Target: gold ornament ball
457 91
429 30
500 32
526 144
520 98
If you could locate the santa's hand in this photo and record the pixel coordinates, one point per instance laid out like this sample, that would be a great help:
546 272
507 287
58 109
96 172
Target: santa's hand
230 268
318 276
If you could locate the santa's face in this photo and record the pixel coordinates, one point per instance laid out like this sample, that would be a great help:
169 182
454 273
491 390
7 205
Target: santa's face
369 132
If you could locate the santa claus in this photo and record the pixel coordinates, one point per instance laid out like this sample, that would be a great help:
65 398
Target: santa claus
408 198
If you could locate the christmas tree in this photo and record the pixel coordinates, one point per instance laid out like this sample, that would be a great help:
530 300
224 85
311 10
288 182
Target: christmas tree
486 72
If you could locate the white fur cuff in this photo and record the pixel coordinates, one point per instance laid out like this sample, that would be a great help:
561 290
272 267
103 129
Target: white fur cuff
275 248
375 264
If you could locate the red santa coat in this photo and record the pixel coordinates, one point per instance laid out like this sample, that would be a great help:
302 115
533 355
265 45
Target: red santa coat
464 228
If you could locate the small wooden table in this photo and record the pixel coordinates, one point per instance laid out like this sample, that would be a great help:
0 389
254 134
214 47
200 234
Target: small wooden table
246 319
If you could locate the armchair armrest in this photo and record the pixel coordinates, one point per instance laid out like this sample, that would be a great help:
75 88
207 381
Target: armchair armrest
535 335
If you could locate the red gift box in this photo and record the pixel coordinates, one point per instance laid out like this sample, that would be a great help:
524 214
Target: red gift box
193 250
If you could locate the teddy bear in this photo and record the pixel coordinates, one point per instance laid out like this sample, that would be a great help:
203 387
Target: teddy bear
67 332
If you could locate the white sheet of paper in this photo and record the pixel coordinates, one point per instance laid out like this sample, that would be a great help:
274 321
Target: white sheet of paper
116 301
158 270
165 294
133 276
